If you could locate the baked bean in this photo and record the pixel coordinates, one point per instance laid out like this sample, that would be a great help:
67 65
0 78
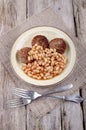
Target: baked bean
29 74
42 75
39 77
46 63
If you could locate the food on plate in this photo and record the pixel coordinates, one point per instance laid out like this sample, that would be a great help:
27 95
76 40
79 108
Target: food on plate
44 60
58 44
46 63
22 54
40 40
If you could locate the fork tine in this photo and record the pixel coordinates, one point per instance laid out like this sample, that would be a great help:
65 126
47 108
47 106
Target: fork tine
22 90
22 95
14 103
19 92
15 99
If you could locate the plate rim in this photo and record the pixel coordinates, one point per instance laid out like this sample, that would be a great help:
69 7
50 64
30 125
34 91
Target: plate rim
49 79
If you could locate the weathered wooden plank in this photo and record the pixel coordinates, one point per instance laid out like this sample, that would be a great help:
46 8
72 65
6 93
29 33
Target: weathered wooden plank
12 13
1 86
13 119
1 15
72 117
36 6
83 93
63 117
32 121
80 19
65 12
79 15
10 119
52 120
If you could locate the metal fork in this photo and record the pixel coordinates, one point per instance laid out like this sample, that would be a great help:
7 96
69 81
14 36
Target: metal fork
33 95
17 102
23 101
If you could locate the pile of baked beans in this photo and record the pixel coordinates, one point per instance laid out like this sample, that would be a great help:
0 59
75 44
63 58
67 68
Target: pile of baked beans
44 63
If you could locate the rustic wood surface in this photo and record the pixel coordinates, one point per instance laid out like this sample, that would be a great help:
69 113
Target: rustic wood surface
65 115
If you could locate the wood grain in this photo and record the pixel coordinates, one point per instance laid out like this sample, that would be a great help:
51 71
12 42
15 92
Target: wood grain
71 116
83 93
36 6
11 14
64 10
53 120
44 114
9 119
1 15
79 14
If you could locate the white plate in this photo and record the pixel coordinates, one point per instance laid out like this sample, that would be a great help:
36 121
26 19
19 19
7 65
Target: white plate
50 33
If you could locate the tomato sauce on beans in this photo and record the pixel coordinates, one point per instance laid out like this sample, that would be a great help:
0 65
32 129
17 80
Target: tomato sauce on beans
44 63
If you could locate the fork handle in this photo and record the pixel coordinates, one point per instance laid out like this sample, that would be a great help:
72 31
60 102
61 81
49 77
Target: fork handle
76 99
59 89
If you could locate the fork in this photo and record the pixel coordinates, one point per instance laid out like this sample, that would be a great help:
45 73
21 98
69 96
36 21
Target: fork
23 101
17 102
33 95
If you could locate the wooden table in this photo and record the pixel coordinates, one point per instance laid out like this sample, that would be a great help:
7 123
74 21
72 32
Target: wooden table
66 116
